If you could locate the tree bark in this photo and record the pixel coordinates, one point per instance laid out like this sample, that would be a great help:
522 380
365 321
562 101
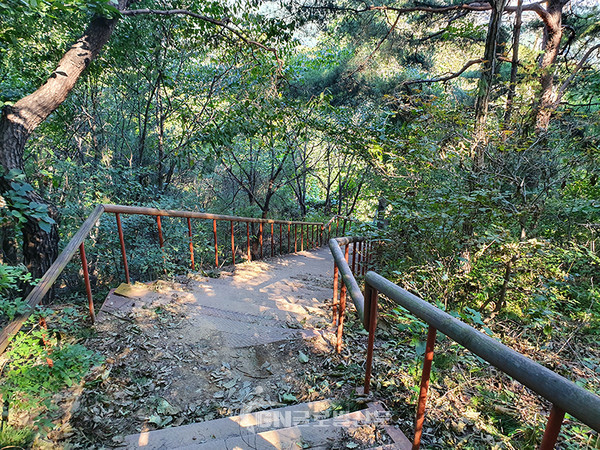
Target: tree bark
19 121
512 86
545 105
486 81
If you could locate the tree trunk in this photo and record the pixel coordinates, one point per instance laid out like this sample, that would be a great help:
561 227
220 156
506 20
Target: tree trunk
512 86
40 248
18 122
551 45
160 124
382 204
486 81
9 245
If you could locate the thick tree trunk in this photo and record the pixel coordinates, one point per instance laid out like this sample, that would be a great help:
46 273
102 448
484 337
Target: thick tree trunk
9 244
18 122
40 248
551 45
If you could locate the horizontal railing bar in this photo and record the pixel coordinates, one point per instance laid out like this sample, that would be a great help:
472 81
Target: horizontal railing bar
349 281
349 239
577 401
41 289
194 215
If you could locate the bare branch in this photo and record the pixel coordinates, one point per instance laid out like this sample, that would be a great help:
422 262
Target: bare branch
460 15
362 65
473 6
449 76
569 80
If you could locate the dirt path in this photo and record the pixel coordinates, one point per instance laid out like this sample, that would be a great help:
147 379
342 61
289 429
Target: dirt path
198 348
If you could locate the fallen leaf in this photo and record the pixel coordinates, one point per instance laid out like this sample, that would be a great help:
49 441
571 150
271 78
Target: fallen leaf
302 357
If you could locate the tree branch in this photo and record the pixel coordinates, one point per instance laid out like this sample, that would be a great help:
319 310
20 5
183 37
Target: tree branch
473 6
221 23
460 15
449 76
568 81
362 65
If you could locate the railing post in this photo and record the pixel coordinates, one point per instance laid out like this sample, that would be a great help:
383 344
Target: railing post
216 244
322 232
289 229
280 239
232 244
366 258
248 240
342 309
123 253
353 257
371 296
260 239
552 428
301 237
344 227
86 277
189 222
341 314
161 241
335 293
337 226
360 257
427 360
295 238
272 242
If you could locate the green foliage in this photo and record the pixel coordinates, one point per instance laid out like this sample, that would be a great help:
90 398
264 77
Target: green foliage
41 362
11 279
11 437
20 206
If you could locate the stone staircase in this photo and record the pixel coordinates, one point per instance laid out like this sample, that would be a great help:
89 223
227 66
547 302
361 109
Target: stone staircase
247 317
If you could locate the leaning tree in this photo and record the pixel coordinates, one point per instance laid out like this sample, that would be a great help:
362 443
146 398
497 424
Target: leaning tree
19 120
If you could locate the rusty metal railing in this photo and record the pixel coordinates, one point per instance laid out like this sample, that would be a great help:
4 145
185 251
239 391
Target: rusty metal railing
310 233
564 395
306 236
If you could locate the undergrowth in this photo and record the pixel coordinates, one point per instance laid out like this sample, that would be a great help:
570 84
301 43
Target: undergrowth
42 367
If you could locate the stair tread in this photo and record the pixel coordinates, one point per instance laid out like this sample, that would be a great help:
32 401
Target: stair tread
314 435
228 427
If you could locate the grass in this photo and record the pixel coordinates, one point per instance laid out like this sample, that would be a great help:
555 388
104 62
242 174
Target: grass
11 437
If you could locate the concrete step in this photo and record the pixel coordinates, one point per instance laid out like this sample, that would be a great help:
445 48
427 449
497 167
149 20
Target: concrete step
220 430
391 447
319 434
293 427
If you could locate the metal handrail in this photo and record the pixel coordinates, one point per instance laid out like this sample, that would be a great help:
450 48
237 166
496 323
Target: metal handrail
344 269
120 209
565 396
77 242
